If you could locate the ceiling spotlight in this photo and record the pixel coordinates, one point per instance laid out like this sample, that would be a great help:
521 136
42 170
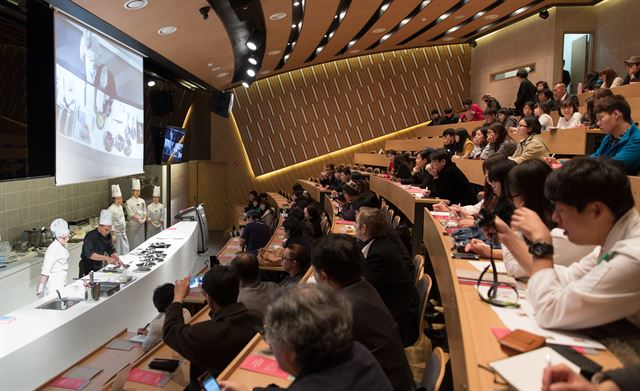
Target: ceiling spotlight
245 84
133 5
251 46
385 37
151 83
274 53
491 17
167 30
473 43
404 21
544 14
384 7
379 30
293 26
448 39
204 11
278 16
251 72
342 15
296 3
253 61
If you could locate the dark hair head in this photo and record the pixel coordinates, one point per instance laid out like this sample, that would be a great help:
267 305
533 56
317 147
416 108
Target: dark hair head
425 153
313 212
352 188
297 187
402 159
346 171
506 111
612 103
533 124
547 93
522 73
602 93
544 106
222 284
373 219
467 102
498 172
441 154
464 136
529 104
491 112
582 181
263 196
526 180
368 199
609 73
296 213
339 257
390 152
329 167
293 226
569 103
449 132
544 84
254 193
489 200
299 254
246 266
163 296
435 111
448 110
501 133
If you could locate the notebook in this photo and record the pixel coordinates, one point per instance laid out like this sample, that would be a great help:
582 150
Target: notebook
524 371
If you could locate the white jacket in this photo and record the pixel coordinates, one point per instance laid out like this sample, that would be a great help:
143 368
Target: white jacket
601 288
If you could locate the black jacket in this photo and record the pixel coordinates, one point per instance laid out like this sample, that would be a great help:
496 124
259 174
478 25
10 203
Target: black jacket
527 92
385 269
451 184
358 372
374 327
444 120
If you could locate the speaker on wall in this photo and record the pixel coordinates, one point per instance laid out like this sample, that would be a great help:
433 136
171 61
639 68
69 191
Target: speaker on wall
161 102
221 103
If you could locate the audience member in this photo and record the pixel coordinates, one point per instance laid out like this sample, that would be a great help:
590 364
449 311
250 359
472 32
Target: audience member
256 233
391 155
313 217
498 141
491 103
632 65
545 96
449 117
435 118
591 82
212 344
449 140
463 146
590 117
526 92
610 78
527 109
490 116
566 75
472 112
254 294
507 119
542 85
595 206
386 271
309 330
295 261
162 297
419 173
531 146
328 178
338 262
402 166
571 117
562 378
268 212
299 214
449 182
294 233
543 112
351 192
559 94
253 201
479 142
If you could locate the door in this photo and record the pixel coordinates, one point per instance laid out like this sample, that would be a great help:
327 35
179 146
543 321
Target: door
579 61
212 192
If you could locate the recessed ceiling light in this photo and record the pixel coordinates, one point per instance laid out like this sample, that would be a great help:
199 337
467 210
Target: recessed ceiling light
166 30
215 69
251 72
453 29
133 5
245 84
151 83
424 19
491 16
443 17
297 3
274 52
404 21
223 74
253 61
448 39
278 16
520 10
343 14
354 51
385 37
293 26
384 7
210 64
252 45
458 17
379 30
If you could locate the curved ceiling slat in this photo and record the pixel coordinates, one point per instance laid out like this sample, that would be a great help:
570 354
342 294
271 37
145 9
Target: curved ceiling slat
397 11
503 9
531 11
357 16
212 45
277 32
318 15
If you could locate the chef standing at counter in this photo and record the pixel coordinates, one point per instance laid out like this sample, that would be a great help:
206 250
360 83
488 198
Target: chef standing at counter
119 233
137 212
156 210
54 268
97 247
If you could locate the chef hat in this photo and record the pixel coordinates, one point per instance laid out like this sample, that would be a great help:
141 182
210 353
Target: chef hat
156 191
59 228
115 191
135 184
105 217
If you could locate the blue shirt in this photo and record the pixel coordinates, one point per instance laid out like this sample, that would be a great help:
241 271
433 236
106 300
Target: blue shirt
626 150
257 234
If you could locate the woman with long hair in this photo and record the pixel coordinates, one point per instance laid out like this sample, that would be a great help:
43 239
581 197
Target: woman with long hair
498 141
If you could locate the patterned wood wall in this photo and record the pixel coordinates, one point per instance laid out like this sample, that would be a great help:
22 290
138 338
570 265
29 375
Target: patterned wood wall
303 114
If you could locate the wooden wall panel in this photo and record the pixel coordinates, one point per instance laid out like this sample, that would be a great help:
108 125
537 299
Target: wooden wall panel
335 105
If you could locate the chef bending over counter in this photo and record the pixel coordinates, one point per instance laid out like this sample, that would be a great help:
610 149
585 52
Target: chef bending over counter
98 248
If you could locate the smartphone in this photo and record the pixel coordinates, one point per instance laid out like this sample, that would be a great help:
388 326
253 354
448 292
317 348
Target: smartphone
195 282
209 383
464 256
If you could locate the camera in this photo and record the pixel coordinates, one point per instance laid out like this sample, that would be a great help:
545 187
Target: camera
486 219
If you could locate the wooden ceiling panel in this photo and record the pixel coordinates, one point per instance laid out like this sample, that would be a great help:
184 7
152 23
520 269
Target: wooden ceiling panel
466 12
277 33
503 9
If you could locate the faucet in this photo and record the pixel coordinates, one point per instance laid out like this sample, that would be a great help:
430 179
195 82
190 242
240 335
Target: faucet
63 301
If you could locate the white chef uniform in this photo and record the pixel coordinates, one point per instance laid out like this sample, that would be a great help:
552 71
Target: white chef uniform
156 212
119 233
56 258
135 227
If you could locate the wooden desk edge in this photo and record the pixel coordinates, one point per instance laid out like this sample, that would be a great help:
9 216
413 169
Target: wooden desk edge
235 364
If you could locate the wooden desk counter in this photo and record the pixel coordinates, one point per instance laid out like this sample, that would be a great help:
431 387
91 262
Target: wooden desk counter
472 169
436 130
371 159
416 144
469 320
315 190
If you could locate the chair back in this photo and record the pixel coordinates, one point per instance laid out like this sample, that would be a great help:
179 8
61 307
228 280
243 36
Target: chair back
424 287
434 371
395 223
389 215
418 266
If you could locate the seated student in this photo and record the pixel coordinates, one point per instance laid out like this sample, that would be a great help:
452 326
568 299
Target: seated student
254 294
328 177
346 175
435 118
542 85
294 233
527 109
309 330
595 206
295 261
610 78
299 214
449 182
449 140
337 174
570 116
212 344
256 234
253 201
490 116
531 146
386 271
338 262
402 166
560 377
301 199
498 141
542 111
162 297
590 117
491 102
313 218
472 112
268 212
463 145
507 119
526 190
351 191
449 117
419 173
479 142
632 64
622 142
560 93
391 156
545 96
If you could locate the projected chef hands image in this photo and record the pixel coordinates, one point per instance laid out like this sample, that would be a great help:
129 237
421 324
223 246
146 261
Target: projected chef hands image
99 105
173 145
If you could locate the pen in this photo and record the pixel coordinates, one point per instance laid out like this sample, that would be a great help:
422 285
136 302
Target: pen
553 155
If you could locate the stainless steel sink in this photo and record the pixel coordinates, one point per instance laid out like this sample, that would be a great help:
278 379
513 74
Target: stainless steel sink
58 305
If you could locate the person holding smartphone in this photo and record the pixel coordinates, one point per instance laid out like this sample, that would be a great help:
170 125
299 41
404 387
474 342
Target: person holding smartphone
162 297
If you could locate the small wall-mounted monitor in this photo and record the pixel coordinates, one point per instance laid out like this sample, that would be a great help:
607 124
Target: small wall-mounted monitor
173 149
